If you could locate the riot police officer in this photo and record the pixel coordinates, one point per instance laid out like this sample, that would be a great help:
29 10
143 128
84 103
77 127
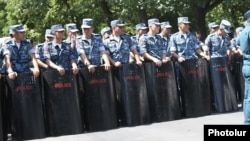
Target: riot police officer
119 45
91 48
60 55
18 53
151 44
40 47
165 35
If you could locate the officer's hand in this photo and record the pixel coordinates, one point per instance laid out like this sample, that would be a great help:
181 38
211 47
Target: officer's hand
12 75
165 60
207 57
141 58
61 70
157 62
75 70
139 63
91 68
36 72
118 64
107 66
181 59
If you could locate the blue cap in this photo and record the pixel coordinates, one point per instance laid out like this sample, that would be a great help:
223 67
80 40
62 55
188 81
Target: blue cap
153 21
140 26
166 24
225 25
87 23
183 20
105 29
238 29
116 23
48 33
17 28
213 25
71 27
57 27
247 15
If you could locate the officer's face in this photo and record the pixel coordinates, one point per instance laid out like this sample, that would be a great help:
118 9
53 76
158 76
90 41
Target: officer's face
87 31
20 35
49 39
59 34
184 27
142 31
155 28
70 33
221 32
166 31
118 29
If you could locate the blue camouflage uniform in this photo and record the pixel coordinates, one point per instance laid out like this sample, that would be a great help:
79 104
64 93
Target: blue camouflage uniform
244 42
119 50
20 58
153 45
166 41
184 47
61 56
39 52
217 46
91 49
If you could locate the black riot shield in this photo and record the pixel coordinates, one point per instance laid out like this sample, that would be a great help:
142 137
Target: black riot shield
1 119
163 99
62 108
195 87
238 77
98 99
223 85
27 116
134 102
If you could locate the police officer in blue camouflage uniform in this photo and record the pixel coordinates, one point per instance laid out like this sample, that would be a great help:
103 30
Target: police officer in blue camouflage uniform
60 55
40 50
141 29
90 48
151 44
165 35
183 44
244 41
71 31
105 32
234 41
213 27
218 43
119 45
18 53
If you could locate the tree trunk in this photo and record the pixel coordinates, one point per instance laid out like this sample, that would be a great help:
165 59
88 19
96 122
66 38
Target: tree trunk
106 10
200 22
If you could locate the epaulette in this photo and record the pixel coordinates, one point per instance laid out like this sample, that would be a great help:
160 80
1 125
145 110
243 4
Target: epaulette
40 45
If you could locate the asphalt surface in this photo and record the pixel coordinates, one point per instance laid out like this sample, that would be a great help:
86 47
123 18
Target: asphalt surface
188 129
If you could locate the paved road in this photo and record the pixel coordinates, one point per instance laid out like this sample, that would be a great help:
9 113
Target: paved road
188 129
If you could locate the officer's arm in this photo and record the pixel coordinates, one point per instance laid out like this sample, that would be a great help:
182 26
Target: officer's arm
137 57
105 57
52 64
35 65
8 64
41 64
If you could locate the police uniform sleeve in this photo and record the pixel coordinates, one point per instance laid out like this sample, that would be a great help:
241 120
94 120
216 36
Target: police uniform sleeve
105 42
37 52
142 44
6 50
172 45
46 53
208 43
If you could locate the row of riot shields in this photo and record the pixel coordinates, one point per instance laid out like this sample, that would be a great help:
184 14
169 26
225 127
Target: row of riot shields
54 104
